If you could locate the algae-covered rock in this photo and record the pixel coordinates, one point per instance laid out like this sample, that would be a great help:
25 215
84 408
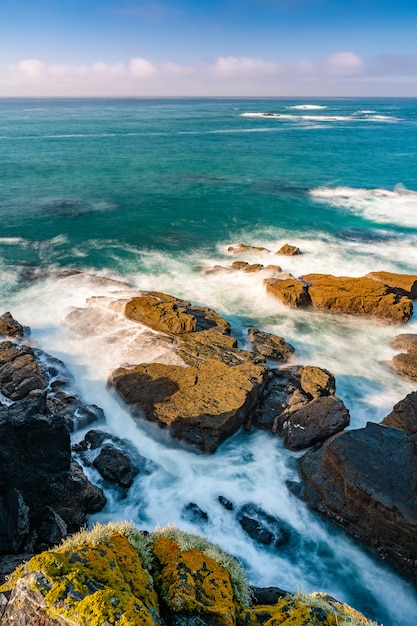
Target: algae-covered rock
100 580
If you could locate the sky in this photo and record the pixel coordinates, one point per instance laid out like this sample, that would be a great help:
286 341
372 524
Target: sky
141 48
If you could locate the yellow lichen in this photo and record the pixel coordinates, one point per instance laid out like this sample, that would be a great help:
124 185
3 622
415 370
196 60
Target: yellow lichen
193 583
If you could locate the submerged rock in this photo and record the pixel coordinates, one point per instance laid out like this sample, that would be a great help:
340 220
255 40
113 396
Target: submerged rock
261 526
241 248
366 480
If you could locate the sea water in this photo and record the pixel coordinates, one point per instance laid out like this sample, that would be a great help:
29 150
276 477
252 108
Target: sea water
152 193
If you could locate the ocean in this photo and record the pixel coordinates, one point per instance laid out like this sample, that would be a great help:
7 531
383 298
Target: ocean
152 192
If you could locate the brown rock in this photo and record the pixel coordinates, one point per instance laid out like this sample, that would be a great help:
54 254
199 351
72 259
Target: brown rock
9 327
20 373
241 248
270 345
201 406
406 364
315 422
404 414
405 284
360 296
289 290
170 315
289 250
317 382
195 348
404 342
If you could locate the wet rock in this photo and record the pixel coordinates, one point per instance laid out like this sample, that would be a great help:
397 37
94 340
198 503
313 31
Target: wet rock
9 327
289 250
406 362
315 422
404 414
262 527
269 345
404 284
359 296
14 521
242 248
290 291
316 381
196 348
365 480
20 373
167 314
404 342
50 529
201 406
192 513
226 504
115 466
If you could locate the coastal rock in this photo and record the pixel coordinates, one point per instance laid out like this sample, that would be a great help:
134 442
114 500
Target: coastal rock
36 461
290 389
194 514
404 284
195 348
242 248
9 327
359 296
201 406
315 422
289 250
290 291
269 345
20 373
404 342
406 362
404 414
115 466
365 480
261 526
14 521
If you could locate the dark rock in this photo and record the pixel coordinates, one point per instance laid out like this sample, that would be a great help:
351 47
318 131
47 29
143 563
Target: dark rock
9 327
50 529
404 414
192 513
226 504
262 527
315 422
14 521
366 481
267 595
20 373
115 466
270 345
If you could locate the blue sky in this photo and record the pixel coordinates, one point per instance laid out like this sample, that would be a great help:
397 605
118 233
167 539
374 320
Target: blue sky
224 48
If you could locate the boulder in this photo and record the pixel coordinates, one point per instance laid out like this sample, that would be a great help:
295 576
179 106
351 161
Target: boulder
242 248
14 521
404 414
404 342
290 291
194 514
9 327
269 345
20 373
406 362
167 314
365 480
261 526
115 466
404 284
315 422
359 296
289 250
201 405
195 348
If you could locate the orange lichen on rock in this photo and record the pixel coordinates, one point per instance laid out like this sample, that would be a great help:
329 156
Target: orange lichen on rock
190 582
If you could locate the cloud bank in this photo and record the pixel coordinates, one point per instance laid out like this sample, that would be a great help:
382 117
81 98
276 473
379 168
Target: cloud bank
342 73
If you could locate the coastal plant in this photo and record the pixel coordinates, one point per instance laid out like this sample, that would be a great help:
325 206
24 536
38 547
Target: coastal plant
344 614
103 533
190 541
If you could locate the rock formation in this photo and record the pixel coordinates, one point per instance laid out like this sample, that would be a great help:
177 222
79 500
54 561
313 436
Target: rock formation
290 291
366 480
269 345
115 575
406 362
289 250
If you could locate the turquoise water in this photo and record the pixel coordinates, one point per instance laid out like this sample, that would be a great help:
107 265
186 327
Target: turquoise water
152 192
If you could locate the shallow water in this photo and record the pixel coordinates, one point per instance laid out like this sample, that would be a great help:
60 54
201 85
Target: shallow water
152 192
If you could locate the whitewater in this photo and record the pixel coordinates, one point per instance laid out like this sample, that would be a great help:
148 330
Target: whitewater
149 195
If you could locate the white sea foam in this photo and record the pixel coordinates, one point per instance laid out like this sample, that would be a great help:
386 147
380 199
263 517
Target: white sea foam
308 107
10 241
381 206
323 118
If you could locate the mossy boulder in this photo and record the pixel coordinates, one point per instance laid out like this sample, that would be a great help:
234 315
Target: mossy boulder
94 583
191 583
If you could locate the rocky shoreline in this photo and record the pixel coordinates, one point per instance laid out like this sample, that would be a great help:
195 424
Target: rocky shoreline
208 388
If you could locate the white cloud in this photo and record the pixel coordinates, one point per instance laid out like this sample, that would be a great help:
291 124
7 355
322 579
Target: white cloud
340 73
